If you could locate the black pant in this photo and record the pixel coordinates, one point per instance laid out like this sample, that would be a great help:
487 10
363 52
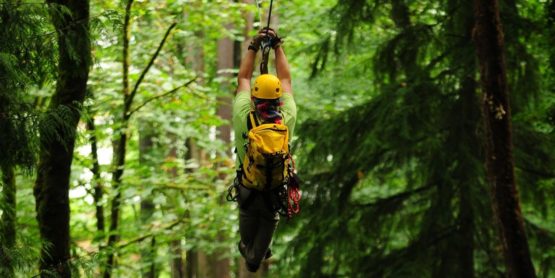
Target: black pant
257 223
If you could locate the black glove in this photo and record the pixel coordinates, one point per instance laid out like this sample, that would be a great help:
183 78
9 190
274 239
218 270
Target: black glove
276 42
255 43
269 34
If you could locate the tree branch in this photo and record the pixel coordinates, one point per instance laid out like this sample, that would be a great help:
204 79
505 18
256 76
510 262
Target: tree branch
177 187
537 172
161 96
129 99
399 197
145 236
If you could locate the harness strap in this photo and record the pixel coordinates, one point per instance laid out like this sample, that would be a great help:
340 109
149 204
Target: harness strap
252 121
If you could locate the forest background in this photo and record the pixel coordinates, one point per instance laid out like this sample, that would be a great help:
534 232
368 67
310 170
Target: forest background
389 139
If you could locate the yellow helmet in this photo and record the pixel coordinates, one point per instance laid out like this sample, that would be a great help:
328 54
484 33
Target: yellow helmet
266 86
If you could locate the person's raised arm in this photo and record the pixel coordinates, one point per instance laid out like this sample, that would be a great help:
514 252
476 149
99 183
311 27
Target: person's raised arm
282 69
282 66
247 64
245 71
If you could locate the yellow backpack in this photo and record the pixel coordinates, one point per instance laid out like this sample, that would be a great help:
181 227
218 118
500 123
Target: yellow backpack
267 157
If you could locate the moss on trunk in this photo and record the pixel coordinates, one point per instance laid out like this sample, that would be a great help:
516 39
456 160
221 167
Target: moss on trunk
58 128
488 36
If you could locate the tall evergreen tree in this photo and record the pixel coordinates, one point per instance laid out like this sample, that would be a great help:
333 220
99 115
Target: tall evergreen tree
414 188
25 62
488 35
58 129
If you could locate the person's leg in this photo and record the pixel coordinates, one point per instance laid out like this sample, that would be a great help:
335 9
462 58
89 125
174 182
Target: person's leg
248 227
264 235
266 225
248 222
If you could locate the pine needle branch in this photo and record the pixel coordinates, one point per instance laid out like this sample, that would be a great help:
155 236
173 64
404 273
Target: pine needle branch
399 197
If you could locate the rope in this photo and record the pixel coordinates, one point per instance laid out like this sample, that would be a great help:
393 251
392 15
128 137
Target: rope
269 16
266 44
293 206
293 192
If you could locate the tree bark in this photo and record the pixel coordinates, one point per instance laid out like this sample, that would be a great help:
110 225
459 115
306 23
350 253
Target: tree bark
488 37
177 266
226 49
121 136
192 255
8 221
466 215
550 7
148 250
119 145
195 58
52 184
465 139
98 187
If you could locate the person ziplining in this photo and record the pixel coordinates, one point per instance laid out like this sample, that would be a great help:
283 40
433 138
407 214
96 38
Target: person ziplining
264 118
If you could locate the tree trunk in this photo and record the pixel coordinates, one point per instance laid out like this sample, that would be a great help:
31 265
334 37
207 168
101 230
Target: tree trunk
220 264
177 265
148 248
488 36
98 191
8 221
191 256
119 145
191 264
550 7
121 136
469 105
194 58
52 185
466 138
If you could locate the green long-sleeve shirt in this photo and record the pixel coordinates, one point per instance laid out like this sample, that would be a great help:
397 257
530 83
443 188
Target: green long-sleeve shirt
242 105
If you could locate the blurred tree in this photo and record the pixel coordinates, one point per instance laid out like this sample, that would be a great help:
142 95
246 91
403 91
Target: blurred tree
146 159
97 179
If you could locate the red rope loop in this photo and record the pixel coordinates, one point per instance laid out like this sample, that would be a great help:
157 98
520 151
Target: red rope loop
293 206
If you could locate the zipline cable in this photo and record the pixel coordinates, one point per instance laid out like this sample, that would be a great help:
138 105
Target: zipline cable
266 44
269 16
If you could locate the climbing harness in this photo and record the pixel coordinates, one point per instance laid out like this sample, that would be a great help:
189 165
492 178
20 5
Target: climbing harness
266 44
283 197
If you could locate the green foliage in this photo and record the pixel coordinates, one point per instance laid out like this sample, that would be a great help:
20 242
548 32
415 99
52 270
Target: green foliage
398 178
388 142
22 65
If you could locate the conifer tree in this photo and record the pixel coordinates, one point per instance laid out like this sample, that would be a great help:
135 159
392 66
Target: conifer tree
25 62
413 193
488 35
58 131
